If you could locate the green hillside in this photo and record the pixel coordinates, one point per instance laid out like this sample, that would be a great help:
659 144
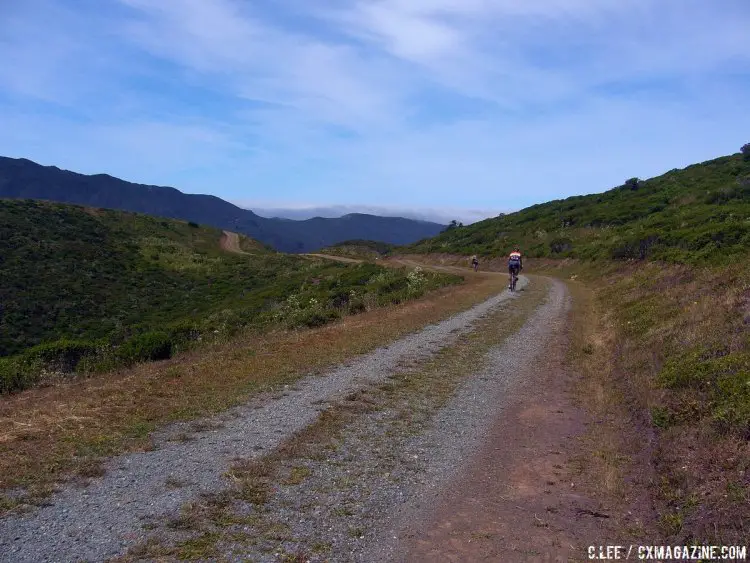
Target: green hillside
365 249
690 215
79 283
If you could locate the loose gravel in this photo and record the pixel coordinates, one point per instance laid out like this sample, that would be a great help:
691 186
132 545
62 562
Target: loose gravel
386 471
460 428
112 514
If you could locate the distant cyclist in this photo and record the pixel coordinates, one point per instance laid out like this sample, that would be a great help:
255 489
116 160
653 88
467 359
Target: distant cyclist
475 262
515 265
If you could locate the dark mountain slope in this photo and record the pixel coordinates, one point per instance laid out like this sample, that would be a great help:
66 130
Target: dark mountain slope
22 178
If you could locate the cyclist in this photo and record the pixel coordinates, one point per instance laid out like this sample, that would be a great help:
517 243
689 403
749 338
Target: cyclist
515 265
475 262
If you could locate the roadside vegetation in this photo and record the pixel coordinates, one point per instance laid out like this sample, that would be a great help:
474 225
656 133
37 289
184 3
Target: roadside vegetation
664 356
89 290
696 215
683 363
364 249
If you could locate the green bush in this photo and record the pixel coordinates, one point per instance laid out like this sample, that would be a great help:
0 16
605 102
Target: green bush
315 317
184 331
15 375
560 245
60 356
150 346
356 306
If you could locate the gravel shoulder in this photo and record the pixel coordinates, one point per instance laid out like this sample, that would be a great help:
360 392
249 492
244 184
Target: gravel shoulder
141 491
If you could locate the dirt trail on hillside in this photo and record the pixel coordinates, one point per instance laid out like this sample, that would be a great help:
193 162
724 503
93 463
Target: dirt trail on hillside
231 242
335 258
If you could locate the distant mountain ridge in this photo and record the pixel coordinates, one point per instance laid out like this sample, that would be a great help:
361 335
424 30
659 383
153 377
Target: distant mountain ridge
24 179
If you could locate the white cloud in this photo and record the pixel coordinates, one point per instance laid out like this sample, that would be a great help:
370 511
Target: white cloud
488 104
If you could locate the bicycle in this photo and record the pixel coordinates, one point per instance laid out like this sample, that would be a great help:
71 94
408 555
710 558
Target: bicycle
475 265
513 279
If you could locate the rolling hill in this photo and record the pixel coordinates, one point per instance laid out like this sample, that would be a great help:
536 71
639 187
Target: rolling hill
119 286
697 214
24 179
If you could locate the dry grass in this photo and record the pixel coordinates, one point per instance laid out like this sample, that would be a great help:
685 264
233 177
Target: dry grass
663 350
52 433
592 343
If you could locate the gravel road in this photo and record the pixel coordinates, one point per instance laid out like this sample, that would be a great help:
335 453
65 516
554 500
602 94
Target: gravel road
104 519
360 501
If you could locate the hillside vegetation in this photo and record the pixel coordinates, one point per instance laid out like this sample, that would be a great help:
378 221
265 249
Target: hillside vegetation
365 249
86 289
694 215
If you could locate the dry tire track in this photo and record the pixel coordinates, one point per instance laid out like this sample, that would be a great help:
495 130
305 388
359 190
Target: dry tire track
106 518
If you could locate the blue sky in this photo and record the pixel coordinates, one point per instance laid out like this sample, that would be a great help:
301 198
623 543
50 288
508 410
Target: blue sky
441 107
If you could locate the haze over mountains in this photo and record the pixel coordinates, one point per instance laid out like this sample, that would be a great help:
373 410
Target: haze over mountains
22 178
433 215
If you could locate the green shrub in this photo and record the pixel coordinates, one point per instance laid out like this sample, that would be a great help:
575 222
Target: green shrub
315 317
661 417
184 331
15 375
560 245
60 356
392 286
356 306
150 346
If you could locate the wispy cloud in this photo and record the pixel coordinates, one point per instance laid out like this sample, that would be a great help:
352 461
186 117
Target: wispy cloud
456 104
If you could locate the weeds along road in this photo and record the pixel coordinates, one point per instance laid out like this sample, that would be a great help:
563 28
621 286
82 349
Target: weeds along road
352 465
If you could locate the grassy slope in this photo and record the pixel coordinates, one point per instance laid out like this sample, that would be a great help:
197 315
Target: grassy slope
690 215
107 277
678 360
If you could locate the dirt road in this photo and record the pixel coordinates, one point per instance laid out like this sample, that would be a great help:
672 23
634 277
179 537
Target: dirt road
231 242
450 444
335 258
